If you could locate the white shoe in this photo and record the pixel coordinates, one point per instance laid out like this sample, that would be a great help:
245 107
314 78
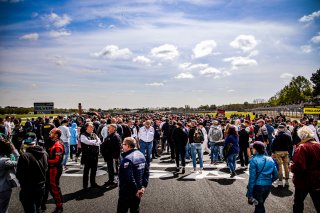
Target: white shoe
200 172
287 183
193 170
279 183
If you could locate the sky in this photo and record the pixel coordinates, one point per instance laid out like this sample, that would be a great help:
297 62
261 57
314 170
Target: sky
154 53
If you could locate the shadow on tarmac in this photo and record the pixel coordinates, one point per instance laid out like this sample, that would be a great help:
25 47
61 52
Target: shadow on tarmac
281 191
90 193
223 181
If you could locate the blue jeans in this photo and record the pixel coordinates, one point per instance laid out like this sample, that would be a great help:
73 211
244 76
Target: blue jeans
212 152
196 148
146 147
232 162
66 153
260 193
188 147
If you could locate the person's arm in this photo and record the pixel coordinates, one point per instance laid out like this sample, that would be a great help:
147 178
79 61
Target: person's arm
274 173
299 164
252 178
56 155
85 140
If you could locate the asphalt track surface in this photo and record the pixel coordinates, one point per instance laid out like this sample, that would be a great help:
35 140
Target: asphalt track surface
168 191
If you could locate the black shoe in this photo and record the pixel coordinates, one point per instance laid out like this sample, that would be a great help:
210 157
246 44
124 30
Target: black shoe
233 174
108 183
158 156
95 185
183 170
154 157
58 210
177 169
43 207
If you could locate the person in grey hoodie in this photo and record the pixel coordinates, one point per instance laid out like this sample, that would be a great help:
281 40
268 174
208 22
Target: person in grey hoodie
65 137
7 164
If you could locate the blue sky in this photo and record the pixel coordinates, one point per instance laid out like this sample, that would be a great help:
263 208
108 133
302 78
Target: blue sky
148 53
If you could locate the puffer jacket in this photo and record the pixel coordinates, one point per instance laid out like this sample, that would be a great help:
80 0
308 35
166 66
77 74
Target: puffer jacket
133 173
267 176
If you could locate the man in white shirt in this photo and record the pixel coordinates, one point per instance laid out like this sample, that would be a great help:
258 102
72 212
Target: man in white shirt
65 137
313 126
146 136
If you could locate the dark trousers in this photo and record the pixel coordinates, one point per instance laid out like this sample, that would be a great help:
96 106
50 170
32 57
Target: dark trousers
172 154
52 186
112 165
126 203
90 164
163 142
73 150
243 153
180 151
155 147
260 193
31 199
300 195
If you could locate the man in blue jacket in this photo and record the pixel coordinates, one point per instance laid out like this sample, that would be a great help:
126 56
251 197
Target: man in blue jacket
133 177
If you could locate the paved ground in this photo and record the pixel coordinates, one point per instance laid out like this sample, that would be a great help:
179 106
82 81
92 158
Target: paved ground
168 191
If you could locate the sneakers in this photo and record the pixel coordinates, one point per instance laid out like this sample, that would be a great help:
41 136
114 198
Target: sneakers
65 168
194 170
287 183
279 183
200 172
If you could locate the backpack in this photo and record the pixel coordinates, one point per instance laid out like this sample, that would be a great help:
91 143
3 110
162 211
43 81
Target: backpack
198 136
216 134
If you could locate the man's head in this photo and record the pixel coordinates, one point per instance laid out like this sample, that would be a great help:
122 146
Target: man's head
281 128
128 144
89 127
54 134
260 122
295 123
147 123
112 128
305 133
64 122
215 123
259 147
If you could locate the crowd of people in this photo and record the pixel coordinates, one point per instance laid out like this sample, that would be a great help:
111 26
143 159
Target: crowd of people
269 146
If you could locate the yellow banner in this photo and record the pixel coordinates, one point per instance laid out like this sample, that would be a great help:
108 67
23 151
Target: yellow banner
311 110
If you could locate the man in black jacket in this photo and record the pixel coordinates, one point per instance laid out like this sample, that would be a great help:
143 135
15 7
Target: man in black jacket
180 140
243 145
31 173
280 150
133 177
110 150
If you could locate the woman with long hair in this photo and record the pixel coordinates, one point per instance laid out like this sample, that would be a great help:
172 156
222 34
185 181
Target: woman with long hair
231 149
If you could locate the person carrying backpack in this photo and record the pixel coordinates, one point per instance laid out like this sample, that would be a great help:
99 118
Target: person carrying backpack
215 136
196 139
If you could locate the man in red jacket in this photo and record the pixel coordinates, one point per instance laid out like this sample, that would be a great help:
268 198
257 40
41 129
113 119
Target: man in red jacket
306 170
55 151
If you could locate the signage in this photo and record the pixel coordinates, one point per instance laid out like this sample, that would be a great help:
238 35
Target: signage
44 108
311 110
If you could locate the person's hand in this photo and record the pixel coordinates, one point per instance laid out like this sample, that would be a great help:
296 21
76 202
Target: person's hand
250 201
140 193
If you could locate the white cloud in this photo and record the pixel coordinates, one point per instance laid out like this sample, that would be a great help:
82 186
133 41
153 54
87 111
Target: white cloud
240 61
286 75
191 67
210 71
316 39
155 84
231 91
244 42
204 48
184 76
142 60
113 52
58 34
310 18
57 21
31 37
166 52
306 48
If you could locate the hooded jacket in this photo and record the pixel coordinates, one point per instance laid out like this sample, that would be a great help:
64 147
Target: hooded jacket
32 167
73 134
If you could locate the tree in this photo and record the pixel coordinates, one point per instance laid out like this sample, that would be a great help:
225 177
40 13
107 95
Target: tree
315 79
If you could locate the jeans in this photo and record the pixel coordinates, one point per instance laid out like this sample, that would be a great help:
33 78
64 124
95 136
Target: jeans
73 150
196 148
260 193
213 154
300 195
146 147
31 199
66 153
188 151
232 162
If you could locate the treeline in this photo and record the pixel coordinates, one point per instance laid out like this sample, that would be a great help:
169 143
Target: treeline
299 90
